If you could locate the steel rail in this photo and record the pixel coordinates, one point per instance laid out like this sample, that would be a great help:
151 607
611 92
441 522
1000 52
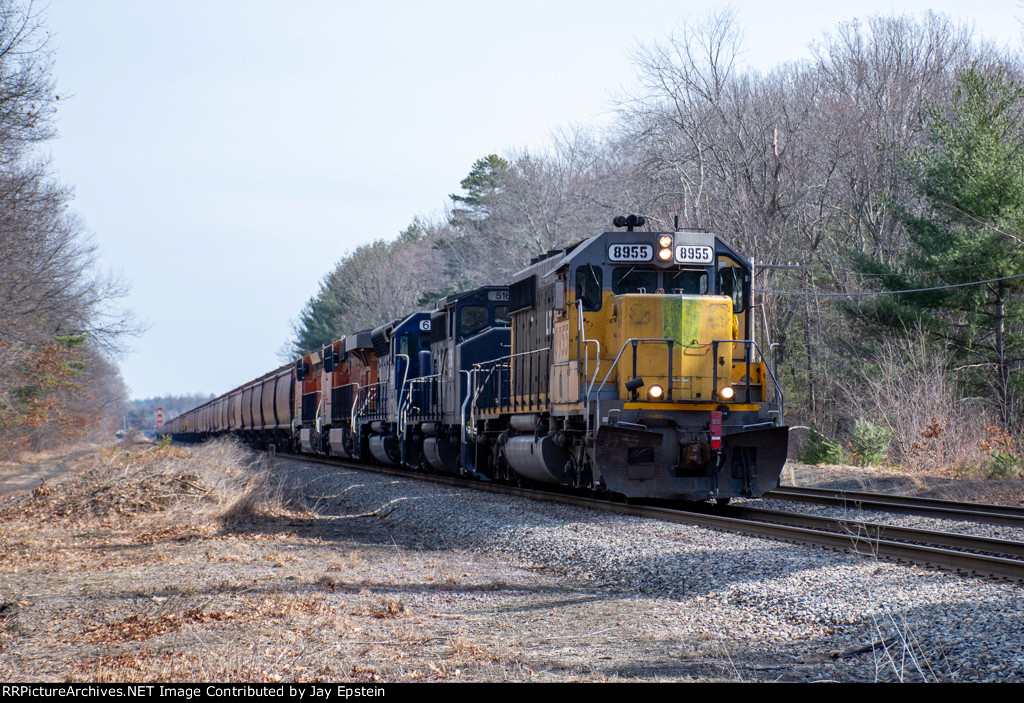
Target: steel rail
1005 515
874 530
876 546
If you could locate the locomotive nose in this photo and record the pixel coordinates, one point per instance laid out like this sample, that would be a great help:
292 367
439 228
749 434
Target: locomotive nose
674 357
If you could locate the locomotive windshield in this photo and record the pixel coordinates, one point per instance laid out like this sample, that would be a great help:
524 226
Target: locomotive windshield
410 344
630 279
686 282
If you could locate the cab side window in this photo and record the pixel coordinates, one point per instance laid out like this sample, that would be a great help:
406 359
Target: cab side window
471 319
730 282
588 287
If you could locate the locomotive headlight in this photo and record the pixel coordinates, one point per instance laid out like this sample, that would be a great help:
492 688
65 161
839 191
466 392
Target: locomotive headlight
665 247
726 393
655 392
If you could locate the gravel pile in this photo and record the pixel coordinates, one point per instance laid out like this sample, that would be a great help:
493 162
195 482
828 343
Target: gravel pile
762 610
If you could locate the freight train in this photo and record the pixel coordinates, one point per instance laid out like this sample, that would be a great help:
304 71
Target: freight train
624 363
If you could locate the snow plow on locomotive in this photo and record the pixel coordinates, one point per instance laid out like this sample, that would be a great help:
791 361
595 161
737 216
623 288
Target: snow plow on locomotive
626 363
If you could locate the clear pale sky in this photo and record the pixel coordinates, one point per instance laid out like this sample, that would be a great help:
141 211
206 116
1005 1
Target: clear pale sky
225 154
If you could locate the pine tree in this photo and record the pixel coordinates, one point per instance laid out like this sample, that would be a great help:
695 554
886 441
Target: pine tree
969 236
481 186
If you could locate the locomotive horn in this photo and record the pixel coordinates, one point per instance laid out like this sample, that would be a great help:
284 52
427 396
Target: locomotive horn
629 222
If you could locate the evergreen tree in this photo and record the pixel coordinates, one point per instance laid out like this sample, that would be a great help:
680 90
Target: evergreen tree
969 237
319 321
481 187
374 283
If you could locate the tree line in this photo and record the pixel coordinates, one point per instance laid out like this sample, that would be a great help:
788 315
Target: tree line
887 170
142 414
58 324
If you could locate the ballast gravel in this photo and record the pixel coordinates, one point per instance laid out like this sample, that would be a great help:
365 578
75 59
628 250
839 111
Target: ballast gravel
624 598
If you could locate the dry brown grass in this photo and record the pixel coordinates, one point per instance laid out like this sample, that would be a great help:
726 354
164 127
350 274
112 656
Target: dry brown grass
217 480
464 651
388 607
908 390
114 557
172 564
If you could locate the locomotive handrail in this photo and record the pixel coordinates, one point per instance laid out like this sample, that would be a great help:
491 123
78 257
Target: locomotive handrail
405 375
509 357
406 400
631 341
352 410
469 429
494 364
473 390
371 394
473 394
586 355
593 380
586 362
462 416
771 372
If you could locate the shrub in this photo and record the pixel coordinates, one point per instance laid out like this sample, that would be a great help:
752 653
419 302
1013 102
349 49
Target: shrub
822 450
909 381
1004 465
870 443
1003 449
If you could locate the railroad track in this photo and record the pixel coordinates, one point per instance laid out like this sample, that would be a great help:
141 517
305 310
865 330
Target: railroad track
906 543
955 552
1005 515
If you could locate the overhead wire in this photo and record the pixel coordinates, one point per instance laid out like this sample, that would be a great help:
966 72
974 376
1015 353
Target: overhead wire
879 275
888 292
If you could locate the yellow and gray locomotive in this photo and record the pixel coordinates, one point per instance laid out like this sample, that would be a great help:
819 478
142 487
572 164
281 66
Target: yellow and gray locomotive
632 368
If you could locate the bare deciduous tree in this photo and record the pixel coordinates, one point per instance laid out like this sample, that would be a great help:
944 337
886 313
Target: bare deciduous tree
57 313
